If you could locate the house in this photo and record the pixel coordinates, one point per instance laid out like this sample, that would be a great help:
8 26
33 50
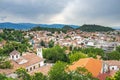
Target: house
92 65
99 69
29 61
113 65
110 67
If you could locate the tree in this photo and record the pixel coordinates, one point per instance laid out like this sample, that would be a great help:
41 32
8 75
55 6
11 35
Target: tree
113 55
117 75
51 43
57 72
12 35
3 77
76 56
60 72
93 52
5 64
22 74
39 76
54 54
42 43
118 49
10 46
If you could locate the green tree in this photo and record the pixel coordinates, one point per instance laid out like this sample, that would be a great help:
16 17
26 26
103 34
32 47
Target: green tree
60 72
3 77
93 52
39 76
54 54
57 72
51 43
76 56
117 75
118 49
5 64
22 74
113 55
42 43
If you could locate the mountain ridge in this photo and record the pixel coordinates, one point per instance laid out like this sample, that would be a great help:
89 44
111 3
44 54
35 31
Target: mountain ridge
27 26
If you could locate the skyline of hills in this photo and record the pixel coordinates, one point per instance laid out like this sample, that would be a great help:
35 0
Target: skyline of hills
27 26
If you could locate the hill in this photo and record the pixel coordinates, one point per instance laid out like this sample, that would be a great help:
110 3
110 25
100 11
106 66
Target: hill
67 27
94 28
28 26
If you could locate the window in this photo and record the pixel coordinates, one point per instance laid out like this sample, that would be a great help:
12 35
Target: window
27 70
30 68
12 56
34 67
112 68
39 65
16 56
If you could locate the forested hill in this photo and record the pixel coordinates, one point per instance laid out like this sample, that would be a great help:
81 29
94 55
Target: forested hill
28 26
67 27
63 29
94 28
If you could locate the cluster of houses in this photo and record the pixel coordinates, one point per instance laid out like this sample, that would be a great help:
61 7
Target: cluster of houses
107 42
34 62
99 68
30 61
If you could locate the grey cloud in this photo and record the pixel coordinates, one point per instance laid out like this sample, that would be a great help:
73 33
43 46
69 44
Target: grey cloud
2 18
104 12
32 8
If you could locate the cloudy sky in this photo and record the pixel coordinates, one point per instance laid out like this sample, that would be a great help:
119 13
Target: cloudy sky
102 12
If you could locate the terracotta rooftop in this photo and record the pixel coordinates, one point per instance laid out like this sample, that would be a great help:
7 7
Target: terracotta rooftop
103 76
92 65
44 70
14 52
30 57
112 62
108 74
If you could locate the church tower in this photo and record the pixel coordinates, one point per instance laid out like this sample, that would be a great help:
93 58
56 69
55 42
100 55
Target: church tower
39 52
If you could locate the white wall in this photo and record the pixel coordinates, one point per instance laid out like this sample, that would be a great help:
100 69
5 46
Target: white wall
114 68
42 63
36 65
15 57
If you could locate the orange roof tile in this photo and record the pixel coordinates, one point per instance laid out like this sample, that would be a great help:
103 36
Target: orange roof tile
92 65
32 59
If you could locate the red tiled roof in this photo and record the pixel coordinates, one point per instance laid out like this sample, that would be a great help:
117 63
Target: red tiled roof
92 65
14 52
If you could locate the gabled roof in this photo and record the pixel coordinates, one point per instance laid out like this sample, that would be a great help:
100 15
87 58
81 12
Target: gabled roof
31 58
14 52
92 65
112 63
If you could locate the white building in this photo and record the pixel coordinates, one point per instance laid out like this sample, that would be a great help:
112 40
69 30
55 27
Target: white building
29 61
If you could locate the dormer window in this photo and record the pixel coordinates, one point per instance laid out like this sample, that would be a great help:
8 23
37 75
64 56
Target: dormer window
12 56
112 68
16 56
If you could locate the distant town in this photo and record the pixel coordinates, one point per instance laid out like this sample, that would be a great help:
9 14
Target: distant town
89 52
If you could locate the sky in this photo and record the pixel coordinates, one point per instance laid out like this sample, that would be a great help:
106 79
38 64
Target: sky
78 12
